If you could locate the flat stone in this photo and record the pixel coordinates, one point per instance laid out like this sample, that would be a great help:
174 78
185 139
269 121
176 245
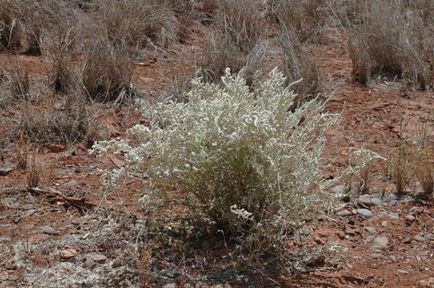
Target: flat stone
5 171
66 254
410 218
364 199
49 230
420 238
89 263
98 258
70 184
401 271
370 229
344 213
376 202
391 215
365 213
380 242
377 255
339 189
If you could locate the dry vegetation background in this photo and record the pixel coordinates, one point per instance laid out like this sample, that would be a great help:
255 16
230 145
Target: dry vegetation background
75 72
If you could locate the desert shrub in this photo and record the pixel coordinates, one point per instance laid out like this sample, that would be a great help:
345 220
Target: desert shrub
107 72
393 41
242 21
299 64
246 166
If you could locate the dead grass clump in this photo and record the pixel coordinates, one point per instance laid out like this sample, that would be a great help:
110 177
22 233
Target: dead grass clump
242 21
220 52
304 18
10 30
107 73
19 84
299 64
61 125
135 23
424 170
400 168
393 41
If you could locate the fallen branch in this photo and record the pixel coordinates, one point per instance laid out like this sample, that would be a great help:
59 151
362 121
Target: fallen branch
79 203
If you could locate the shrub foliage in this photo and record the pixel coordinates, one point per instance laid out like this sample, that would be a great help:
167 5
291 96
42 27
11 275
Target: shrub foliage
245 163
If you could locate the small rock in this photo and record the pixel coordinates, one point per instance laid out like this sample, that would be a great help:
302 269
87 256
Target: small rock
370 229
70 184
11 266
171 285
401 271
339 189
420 238
392 258
89 263
384 223
56 148
344 213
364 212
49 230
376 202
341 235
406 240
377 255
5 171
67 253
346 198
426 283
98 258
364 200
381 242
391 215
117 263
410 218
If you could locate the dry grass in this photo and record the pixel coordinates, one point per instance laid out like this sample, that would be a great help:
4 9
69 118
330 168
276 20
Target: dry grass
299 64
400 168
393 40
220 52
242 21
306 19
135 23
107 73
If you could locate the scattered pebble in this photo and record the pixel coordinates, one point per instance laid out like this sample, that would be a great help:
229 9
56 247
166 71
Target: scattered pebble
98 258
420 238
56 148
67 253
5 171
339 189
364 212
410 218
384 223
380 242
377 255
370 229
391 215
401 271
344 213
49 230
